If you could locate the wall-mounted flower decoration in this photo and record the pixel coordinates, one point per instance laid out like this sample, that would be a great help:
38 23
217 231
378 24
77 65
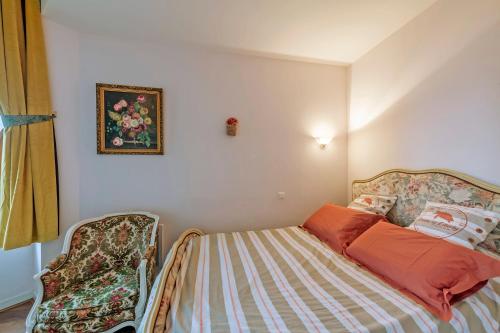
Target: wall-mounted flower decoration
232 126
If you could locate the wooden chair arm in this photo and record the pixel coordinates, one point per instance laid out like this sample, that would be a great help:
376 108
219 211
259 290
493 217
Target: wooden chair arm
150 257
150 252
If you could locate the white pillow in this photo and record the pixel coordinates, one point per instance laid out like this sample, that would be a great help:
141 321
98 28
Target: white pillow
371 203
461 225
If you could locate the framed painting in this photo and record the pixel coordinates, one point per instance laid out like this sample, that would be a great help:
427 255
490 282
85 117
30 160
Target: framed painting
129 119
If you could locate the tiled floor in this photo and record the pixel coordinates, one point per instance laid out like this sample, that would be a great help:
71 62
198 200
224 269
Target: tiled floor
12 320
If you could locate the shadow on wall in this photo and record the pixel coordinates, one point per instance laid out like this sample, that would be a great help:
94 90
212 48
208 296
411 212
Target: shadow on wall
473 66
450 119
402 63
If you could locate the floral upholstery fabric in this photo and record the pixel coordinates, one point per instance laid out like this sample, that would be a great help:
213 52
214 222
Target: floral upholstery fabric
414 190
93 325
99 246
102 295
150 255
99 278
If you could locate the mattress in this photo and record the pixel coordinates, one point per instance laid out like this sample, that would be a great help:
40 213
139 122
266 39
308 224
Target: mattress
287 280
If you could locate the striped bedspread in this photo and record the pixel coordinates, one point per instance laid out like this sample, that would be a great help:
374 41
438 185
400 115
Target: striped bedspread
286 280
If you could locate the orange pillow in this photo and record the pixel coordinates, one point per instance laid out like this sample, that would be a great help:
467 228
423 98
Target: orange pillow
432 271
339 226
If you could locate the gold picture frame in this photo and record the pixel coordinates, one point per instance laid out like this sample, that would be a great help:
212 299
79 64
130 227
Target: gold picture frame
129 119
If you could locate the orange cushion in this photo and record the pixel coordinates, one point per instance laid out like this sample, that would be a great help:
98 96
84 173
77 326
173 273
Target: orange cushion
432 271
339 226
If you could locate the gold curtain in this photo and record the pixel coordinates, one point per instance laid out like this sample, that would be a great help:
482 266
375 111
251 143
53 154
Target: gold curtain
28 180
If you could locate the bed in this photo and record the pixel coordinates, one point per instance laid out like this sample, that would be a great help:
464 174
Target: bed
287 280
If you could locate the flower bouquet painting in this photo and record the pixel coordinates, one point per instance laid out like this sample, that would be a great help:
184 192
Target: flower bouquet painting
129 119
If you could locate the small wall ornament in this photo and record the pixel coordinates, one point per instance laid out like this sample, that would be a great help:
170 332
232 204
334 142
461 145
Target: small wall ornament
232 126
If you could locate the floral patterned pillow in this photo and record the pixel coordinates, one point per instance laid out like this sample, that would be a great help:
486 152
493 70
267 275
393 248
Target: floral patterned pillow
492 242
466 226
376 204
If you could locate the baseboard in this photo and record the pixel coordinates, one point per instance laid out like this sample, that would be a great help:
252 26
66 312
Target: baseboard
11 301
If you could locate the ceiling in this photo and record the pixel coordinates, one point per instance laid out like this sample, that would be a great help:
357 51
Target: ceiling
333 31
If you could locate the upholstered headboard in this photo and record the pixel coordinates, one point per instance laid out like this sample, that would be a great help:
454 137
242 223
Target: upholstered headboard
415 188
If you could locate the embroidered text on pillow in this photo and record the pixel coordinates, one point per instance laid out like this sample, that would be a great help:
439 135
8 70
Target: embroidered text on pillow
465 226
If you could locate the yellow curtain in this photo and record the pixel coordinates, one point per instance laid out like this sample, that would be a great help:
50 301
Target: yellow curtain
28 180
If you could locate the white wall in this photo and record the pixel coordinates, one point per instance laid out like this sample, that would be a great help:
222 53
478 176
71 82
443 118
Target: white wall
429 96
207 179
16 275
64 68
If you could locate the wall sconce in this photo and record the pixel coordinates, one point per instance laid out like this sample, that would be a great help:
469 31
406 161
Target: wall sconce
323 141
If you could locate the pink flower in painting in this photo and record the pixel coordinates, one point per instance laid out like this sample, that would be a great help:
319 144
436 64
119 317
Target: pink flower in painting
118 141
117 107
141 98
123 103
137 129
136 115
126 121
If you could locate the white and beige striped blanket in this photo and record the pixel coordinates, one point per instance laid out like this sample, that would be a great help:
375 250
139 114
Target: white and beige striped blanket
286 280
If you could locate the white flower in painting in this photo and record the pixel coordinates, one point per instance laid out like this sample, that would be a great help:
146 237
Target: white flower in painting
134 123
118 141
460 195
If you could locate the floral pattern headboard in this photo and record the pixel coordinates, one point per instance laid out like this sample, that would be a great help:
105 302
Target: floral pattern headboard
415 188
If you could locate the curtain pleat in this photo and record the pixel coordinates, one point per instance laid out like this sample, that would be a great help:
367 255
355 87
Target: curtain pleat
28 180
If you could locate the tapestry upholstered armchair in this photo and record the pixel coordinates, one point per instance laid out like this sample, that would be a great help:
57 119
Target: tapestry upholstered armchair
101 280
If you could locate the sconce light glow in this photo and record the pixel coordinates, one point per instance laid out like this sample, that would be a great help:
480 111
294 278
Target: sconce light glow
323 141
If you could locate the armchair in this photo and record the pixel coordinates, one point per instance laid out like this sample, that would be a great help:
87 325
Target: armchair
100 281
